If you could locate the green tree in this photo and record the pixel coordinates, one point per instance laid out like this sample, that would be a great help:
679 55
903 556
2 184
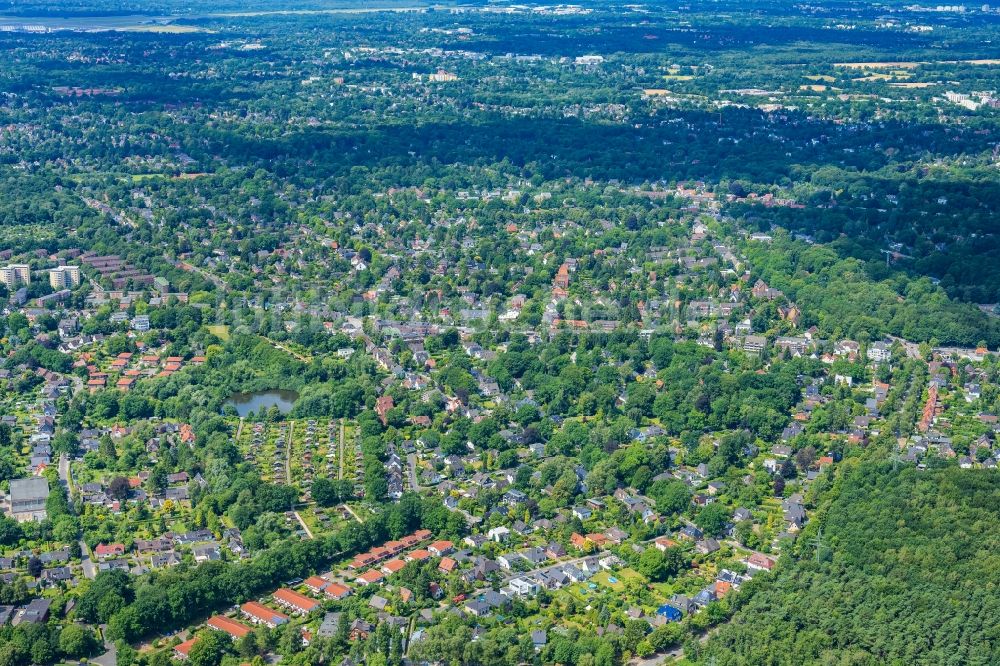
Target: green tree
652 564
210 648
42 651
10 531
76 641
671 497
712 519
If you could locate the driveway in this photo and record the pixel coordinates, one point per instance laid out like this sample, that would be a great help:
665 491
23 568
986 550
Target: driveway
89 569
109 658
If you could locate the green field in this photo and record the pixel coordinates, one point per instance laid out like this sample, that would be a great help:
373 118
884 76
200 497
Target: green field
220 331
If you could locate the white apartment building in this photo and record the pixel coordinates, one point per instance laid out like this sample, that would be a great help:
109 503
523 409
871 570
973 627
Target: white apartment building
15 275
64 277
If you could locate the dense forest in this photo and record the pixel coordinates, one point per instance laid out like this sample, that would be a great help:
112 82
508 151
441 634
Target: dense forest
900 569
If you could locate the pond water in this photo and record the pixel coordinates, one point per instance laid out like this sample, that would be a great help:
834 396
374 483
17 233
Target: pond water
245 403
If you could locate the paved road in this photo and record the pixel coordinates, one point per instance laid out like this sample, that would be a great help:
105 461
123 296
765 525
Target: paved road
184 266
64 473
109 658
469 518
912 349
672 654
76 382
411 468
89 569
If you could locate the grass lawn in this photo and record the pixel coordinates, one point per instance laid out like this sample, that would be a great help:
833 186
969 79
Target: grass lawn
630 574
664 590
362 511
603 577
335 522
582 592
219 331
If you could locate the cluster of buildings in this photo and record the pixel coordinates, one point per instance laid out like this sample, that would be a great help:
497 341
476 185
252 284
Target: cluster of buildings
303 598
61 278
26 498
127 367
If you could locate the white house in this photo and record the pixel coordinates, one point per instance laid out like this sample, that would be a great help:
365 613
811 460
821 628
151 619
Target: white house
523 587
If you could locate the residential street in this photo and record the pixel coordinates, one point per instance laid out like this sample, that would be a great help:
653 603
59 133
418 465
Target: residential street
110 657
411 469
64 475
89 568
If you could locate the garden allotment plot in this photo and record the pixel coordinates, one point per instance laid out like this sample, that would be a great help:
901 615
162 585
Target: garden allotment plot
265 445
297 451
311 454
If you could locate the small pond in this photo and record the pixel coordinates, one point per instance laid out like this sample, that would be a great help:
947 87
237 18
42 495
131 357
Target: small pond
245 403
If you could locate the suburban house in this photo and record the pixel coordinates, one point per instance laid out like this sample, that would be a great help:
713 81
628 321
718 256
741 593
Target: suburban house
337 591
382 407
370 577
261 614
232 627
760 562
104 551
291 599
440 548
182 650
316 584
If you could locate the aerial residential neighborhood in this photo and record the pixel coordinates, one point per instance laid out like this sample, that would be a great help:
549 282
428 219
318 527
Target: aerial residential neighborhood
486 333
